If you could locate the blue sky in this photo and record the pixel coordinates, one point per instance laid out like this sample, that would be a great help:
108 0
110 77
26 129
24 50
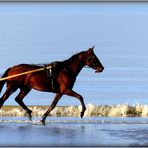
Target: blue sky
72 26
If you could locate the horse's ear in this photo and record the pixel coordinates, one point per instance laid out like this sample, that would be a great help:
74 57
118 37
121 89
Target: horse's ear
93 47
91 50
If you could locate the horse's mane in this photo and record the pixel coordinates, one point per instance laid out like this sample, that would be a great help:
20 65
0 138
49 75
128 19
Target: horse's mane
73 57
67 61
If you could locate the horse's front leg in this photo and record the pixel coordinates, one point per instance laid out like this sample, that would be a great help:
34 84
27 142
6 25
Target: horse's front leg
52 106
78 96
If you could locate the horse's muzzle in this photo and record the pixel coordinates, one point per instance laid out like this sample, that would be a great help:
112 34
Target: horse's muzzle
99 69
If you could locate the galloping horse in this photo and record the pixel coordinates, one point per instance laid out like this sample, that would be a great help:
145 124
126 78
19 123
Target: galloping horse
61 83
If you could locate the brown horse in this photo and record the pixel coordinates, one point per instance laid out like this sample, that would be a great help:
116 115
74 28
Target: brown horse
61 83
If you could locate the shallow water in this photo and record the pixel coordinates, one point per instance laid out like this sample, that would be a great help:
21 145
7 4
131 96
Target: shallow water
74 132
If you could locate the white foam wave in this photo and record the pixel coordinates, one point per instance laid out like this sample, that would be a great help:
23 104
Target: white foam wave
120 110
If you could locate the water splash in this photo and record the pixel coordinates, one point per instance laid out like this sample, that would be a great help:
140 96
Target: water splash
120 110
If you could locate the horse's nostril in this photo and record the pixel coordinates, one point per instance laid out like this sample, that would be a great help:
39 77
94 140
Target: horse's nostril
101 69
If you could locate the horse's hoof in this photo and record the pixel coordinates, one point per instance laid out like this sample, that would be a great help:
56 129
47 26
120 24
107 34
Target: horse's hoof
43 122
28 112
30 117
82 114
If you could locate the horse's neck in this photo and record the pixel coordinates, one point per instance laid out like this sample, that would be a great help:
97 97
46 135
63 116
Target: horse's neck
75 67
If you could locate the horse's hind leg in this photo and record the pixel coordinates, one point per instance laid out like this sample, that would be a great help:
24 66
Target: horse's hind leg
19 99
10 89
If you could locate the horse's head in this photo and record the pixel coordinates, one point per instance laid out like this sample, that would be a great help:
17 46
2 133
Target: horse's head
92 61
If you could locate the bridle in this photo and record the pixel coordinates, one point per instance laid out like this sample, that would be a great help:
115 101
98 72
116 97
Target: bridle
93 64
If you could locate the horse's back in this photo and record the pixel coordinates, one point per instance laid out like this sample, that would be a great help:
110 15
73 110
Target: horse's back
24 67
34 80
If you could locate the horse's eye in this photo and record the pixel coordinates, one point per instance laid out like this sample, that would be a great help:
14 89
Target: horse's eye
93 57
89 58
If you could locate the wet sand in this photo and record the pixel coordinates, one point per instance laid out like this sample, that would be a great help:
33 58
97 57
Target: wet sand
74 132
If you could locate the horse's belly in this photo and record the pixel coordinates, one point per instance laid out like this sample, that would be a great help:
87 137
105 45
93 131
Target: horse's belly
42 83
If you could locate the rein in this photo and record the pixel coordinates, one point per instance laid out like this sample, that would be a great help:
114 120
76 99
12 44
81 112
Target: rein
27 72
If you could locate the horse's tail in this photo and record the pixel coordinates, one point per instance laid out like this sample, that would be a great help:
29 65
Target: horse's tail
4 81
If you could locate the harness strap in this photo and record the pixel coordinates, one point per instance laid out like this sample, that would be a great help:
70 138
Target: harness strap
20 74
50 75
